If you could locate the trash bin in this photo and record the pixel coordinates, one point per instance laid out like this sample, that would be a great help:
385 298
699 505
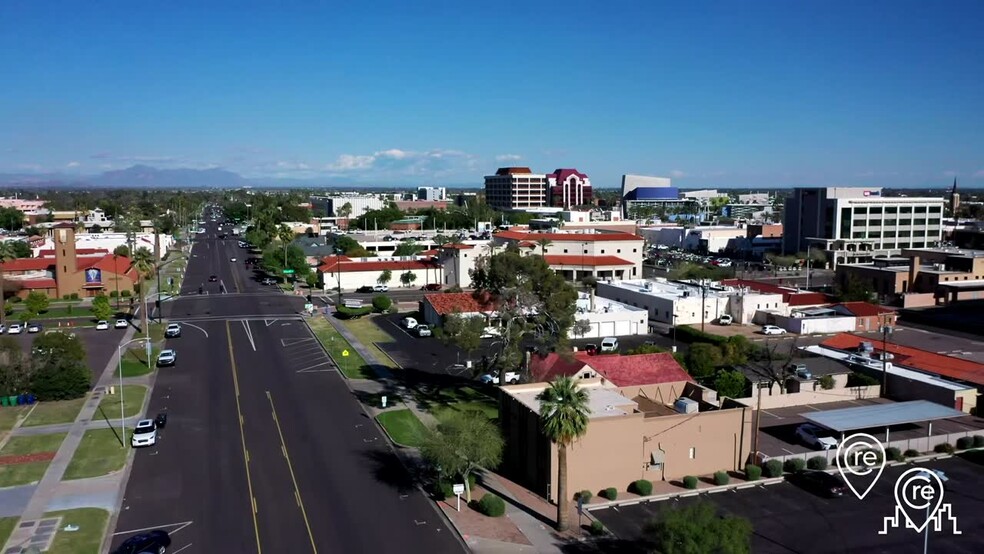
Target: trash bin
21 400
3 401
31 399
12 400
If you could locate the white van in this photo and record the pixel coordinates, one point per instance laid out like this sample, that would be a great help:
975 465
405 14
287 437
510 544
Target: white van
609 344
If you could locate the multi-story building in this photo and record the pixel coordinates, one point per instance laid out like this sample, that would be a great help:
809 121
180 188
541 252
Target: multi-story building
568 188
516 188
576 255
359 203
641 193
432 194
855 225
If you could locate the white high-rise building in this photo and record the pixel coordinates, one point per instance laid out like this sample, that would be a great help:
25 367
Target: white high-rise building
432 194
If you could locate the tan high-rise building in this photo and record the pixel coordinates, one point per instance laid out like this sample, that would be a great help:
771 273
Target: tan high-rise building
516 188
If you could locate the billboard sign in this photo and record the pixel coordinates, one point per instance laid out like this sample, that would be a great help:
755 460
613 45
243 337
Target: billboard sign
93 275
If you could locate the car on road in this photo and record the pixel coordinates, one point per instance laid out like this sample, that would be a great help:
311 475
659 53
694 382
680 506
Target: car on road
268 281
144 434
773 330
167 358
510 378
102 325
3 328
15 329
815 437
380 288
34 327
121 324
408 323
173 330
364 289
820 483
609 344
161 420
423 331
726 319
232 259
213 278
155 542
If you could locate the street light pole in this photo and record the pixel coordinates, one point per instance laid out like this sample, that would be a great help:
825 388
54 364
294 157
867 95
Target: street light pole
119 358
886 331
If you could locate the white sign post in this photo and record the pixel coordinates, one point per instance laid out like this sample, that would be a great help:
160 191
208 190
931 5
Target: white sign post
458 490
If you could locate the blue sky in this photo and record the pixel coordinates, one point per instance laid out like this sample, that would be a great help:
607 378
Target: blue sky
709 93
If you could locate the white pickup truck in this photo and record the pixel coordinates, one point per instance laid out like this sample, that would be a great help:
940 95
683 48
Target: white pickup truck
511 378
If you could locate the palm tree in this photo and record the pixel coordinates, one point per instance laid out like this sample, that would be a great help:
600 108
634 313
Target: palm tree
7 253
285 234
143 262
544 243
564 410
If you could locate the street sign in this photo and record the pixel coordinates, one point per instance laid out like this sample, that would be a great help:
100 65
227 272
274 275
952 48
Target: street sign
345 353
288 271
458 489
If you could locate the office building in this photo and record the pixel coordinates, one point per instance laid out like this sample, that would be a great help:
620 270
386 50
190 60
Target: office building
357 203
568 188
854 225
516 188
432 194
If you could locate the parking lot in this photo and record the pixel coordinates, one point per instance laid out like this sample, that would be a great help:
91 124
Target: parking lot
99 345
788 519
777 436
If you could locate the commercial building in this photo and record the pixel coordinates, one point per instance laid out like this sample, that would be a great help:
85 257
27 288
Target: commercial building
432 194
580 254
359 203
568 188
712 240
516 188
157 244
347 274
670 302
601 220
855 225
640 192
648 421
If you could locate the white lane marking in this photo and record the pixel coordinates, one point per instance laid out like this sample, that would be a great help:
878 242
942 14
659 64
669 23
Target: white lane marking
249 334
310 369
179 526
195 326
285 344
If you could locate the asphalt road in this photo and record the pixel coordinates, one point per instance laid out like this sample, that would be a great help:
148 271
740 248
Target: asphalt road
266 449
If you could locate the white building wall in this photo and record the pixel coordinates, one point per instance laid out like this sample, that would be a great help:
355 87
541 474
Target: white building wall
663 307
667 236
352 280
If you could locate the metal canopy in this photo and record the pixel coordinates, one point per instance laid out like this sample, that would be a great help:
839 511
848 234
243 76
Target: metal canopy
881 415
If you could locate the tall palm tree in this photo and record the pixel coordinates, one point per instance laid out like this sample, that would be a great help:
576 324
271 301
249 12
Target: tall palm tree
285 234
544 243
564 411
143 262
7 253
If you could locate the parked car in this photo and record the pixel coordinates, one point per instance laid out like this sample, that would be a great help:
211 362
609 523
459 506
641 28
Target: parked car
102 325
173 330
820 483
939 473
167 358
815 437
121 324
380 288
424 331
726 319
34 327
773 330
511 378
364 289
155 542
591 349
144 434
609 344
491 332
213 278
3 328
232 259
269 281
408 323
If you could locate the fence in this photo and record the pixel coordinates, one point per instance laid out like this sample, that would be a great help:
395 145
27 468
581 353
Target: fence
924 444
803 398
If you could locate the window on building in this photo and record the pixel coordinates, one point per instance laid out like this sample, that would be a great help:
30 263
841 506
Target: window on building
920 209
618 250
889 234
602 250
875 210
918 244
919 221
935 209
565 251
861 210
891 209
905 209
858 235
934 221
890 222
874 234
905 233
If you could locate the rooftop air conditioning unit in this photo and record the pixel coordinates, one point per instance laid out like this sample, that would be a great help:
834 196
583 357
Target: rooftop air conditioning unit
686 406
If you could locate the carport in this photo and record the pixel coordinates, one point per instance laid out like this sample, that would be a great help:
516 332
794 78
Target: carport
882 415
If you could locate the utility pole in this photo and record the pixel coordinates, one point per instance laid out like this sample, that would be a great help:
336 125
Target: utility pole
758 419
808 248
886 331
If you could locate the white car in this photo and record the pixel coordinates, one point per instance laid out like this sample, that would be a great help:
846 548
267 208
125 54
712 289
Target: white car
609 344
102 325
511 378
814 436
173 330
380 288
33 327
167 358
121 324
491 332
423 331
144 434
232 259
3 328
772 330
726 319
408 323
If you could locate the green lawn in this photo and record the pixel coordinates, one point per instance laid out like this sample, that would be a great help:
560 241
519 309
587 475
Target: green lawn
7 525
9 417
55 312
22 474
403 427
88 539
134 362
133 399
436 400
98 454
353 366
59 411
369 334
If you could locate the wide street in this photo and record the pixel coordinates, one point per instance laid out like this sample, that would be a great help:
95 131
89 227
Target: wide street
266 449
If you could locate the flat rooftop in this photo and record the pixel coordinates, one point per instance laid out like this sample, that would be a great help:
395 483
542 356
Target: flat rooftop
901 371
881 415
603 305
670 290
602 401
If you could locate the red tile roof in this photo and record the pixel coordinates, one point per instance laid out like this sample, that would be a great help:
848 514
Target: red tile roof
461 302
121 265
527 244
50 253
865 309
623 371
577 260
429 253
349 266
43 283
27 264
931 362
566 237
562 174
791 296
512 170
459 246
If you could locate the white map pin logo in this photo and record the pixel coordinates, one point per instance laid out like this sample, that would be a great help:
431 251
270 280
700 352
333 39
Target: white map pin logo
919 495
860 455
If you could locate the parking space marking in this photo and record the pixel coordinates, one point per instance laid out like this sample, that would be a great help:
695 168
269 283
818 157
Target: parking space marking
285 344
178 526
311 369
185 547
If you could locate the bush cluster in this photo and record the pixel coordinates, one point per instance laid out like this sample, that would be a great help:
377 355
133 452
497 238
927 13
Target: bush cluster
963 443
944 448
753 472
817 463
794 465
690 482
583 495
123 293
642 487
894 454
381 303
911 453
597 528
611 493
721 478
978 441
773 468
491 505
348 313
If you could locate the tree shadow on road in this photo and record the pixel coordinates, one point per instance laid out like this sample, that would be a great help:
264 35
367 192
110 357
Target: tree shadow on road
594 545
388 469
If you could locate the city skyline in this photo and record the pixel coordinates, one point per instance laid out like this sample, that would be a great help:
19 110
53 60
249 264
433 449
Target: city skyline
710 95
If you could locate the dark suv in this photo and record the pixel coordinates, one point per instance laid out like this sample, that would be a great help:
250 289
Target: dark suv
155 541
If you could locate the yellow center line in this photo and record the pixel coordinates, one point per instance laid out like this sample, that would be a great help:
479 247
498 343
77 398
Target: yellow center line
290 467
242 436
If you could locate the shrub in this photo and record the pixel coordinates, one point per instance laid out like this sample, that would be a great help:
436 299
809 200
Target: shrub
690 482
894 454
945 448
773 468
74 296
491 505
351 313
721 478
817 463
794 465
583 495
15 299
642 487
978 441
113 294
963 443
690 334
912 453
753 472
611 493
66 297
381 303
860 380
878 454
826 382
597 528
443 490
125 293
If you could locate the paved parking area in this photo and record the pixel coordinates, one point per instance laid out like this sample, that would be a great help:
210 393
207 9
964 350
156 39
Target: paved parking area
940 342
788 519
777 436
99 345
